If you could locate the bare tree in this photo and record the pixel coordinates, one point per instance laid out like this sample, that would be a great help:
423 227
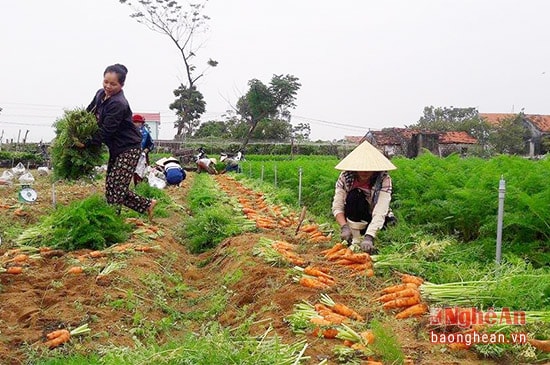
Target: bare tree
182 26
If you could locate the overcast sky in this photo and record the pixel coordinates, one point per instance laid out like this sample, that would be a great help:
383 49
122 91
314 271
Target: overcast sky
362 64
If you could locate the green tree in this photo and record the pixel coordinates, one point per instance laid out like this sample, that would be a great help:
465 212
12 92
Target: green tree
212 128
301 131
446 119
182 26
189 106
267 102
509 136
272 129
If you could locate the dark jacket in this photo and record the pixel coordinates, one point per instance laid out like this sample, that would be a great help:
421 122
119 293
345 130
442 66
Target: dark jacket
116 129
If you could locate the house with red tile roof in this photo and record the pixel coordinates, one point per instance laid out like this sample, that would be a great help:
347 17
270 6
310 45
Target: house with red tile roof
409 142
538 127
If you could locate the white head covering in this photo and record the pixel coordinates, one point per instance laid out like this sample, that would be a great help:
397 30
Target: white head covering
365 157
161 162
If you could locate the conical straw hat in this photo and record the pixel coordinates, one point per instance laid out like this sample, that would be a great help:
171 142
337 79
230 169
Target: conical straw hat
365 157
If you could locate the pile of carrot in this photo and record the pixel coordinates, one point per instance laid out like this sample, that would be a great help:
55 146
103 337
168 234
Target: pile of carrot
342 255
315 277
286 250
404 297
311 233
57 337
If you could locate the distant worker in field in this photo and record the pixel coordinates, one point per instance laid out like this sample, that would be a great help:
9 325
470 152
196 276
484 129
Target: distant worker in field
231 162
204 163
147 144
361 203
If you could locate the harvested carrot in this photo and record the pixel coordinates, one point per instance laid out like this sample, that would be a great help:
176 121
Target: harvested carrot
367 336
20 258
360 258
348 343
96 254
402 302
458 346
56 333
409 292
320 321
334 248
412 311
308 228
335 318
346 311
75 270
326 280
326 333
338 254
543 345
358 346
399 287
313 271
405 278
312 283
14 270
143 248
58 340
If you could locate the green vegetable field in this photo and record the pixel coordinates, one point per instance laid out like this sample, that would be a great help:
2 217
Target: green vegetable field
223 275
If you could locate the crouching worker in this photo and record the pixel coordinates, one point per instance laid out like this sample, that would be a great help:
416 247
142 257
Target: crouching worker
173 172
231 163
361 203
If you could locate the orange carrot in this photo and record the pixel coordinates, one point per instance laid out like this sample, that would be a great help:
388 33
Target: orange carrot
338 254
334 248
308 228
58 340
402 302
96 254
409 292
143 248
412 311
543 345
346 311
14 270
458 346
312 283
326 333
320 321
75 270
56 333
399 287
335 318
320 306
325 280
348 343
367 336
360 258
405 278
20 258
313 271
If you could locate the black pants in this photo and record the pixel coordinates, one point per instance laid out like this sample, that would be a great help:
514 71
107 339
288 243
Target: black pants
357 207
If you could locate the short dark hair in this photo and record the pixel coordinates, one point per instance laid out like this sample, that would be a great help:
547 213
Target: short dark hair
119 69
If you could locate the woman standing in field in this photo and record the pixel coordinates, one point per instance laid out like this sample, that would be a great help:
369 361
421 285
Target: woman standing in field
121 136
361 203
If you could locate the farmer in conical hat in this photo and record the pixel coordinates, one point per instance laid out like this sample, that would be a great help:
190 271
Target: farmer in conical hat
361 203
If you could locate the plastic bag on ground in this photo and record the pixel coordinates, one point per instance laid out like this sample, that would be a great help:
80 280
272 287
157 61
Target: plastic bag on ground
18 169
43 170
26 178
155 181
